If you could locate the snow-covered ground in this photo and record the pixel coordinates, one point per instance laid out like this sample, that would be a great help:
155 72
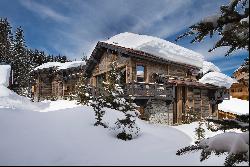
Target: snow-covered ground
62 133
235 106
68 137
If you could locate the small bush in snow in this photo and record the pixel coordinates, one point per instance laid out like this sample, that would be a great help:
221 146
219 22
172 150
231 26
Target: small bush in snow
126 128
199 131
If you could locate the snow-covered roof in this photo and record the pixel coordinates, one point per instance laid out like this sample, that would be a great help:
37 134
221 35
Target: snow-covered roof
4 74
61 66
209 66
235 106
217 79
157 47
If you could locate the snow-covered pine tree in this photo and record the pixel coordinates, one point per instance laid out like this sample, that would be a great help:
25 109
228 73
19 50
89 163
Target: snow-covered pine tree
83 91
200 131
241 122
21 64
126 128
235 145
6 41
98 103
112 88
232 25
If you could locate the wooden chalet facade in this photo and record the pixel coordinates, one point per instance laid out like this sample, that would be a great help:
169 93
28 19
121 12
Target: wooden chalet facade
55 83
159 86
240 90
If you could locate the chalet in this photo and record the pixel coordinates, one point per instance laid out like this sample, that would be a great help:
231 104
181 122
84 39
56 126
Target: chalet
240 90
56 80
161 76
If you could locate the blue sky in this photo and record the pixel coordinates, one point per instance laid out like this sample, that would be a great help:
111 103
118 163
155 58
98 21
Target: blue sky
72 27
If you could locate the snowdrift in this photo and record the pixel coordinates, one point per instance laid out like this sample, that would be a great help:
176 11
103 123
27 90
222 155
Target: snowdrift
4 75
9 99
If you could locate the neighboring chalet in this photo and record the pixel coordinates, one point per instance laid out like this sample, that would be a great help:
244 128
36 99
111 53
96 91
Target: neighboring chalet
240 90
56 80
163 77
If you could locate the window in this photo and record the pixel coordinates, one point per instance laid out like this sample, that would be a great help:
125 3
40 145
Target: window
140 73
100 79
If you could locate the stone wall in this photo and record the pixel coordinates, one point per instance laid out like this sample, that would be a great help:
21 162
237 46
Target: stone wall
157 111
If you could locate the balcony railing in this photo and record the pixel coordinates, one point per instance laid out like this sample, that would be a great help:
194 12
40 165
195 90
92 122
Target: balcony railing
142 90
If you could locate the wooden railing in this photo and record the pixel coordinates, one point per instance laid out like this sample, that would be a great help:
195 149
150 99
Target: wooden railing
143 90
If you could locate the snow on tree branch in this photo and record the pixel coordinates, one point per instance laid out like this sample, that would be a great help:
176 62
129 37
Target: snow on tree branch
231 24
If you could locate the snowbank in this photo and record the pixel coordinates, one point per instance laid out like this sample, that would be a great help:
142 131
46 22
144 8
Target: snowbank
58 105
208 66
9 99
217 79
4 75
68 137
234 105
60 66
157 47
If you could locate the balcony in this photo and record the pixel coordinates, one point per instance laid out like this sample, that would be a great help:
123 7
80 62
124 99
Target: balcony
142 90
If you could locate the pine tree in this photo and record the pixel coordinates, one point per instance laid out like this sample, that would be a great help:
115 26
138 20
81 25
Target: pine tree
232 25
21 64
6 41
241 122
199 131
98 104
83 91
111 87
126 127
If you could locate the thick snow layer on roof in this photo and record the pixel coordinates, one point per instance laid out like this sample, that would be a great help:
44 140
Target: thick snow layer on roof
4 74
217 79
61 65
235 106
157 47
208 66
